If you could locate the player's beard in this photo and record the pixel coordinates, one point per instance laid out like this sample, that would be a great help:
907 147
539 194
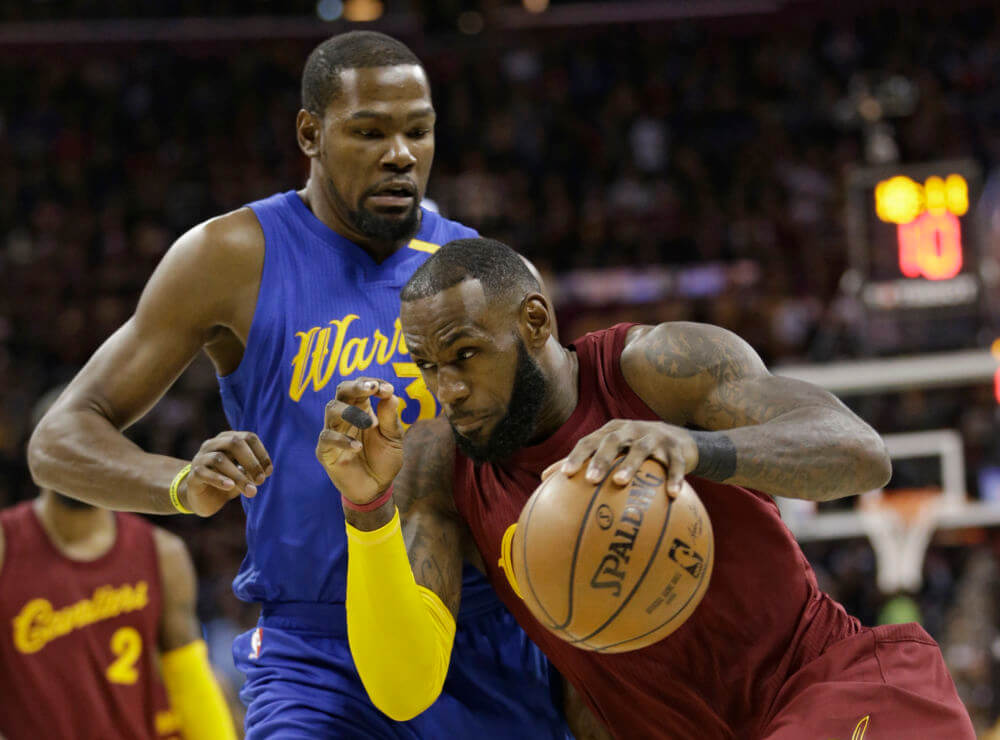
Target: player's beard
375 227
517 426
382 229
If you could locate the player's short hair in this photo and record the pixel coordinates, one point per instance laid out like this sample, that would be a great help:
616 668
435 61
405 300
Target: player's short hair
501 271
351 50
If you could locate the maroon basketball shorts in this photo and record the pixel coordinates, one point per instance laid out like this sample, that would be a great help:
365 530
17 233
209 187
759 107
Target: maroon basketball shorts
885 683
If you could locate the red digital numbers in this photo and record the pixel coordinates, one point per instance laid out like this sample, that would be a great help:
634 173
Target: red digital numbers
930 246
927 226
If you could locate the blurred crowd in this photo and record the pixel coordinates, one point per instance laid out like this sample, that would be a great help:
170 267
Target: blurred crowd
668 172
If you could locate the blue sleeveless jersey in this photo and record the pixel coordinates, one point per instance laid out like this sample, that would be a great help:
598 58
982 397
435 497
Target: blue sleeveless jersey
326 312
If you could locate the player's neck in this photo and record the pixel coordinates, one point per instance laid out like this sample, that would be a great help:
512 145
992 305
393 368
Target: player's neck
78 533
326 212
562 368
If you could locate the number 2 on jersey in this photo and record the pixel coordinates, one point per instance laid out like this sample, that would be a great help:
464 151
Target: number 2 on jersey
126 643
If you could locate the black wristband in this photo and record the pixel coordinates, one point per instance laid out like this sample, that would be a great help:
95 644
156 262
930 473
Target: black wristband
716 456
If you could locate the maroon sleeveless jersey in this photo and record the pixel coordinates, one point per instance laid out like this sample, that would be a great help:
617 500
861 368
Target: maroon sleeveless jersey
762 618
78 639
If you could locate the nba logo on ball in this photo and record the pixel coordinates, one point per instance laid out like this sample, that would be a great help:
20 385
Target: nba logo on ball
612 568
682 554
255 640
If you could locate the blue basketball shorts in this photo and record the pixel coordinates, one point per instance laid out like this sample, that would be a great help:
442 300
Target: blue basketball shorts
301 682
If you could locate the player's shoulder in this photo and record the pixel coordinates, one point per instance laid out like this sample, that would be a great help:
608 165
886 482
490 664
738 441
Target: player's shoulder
686 348
12 518
234 237
169 547
693 334
438 230
214 269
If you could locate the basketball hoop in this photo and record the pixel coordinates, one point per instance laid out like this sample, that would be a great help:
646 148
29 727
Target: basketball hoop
900 524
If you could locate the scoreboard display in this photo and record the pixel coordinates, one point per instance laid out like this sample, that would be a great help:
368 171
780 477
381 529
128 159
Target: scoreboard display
915 257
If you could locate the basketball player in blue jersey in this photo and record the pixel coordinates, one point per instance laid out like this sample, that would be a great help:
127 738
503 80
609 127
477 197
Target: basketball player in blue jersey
289 296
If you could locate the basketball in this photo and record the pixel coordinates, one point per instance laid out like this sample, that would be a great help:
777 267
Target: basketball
612 568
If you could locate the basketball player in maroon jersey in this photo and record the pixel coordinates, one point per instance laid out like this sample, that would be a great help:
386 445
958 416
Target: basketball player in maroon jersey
94 608
765 655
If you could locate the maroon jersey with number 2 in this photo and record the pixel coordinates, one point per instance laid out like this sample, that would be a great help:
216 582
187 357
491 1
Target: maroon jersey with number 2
78 639
749 661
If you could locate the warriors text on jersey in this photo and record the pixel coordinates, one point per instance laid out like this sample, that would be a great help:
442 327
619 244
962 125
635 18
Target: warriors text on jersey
326 312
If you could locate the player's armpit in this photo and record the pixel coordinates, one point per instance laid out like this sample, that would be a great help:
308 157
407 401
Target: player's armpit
194 694
400 633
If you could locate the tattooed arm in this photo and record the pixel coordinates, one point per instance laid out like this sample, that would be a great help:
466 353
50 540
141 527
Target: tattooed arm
434 533
774 434
779 435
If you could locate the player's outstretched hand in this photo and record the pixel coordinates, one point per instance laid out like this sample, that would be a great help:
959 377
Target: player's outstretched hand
672 446
226 466
362 449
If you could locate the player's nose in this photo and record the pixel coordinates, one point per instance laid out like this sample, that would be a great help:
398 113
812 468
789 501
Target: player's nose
452 390
399 157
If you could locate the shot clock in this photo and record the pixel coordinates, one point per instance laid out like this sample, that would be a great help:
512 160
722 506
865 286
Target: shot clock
915 256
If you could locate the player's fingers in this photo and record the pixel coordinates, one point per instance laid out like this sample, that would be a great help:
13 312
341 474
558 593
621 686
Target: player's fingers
388 417
341 416
221 463
260 452
356 417
384 389
205 475
239 451
600 462
587 445
638 452
676 470
356 391
333 442
553 468
580 453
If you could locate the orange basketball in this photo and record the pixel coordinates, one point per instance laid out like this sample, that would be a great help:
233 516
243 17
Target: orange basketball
612 568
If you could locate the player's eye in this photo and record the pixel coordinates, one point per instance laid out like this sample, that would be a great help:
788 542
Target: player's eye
467 353
369 133
419 133
425 366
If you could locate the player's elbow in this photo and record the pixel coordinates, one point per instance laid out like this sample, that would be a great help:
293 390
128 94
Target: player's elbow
42 454
877 466
405 693
404 710
865 465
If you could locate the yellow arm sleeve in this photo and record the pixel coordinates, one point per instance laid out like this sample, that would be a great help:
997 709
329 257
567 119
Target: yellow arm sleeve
194 695
400 633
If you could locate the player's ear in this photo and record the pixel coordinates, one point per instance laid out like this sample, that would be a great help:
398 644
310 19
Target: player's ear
308 127
537 320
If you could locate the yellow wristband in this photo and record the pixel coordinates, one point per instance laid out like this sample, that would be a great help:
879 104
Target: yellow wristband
181 475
